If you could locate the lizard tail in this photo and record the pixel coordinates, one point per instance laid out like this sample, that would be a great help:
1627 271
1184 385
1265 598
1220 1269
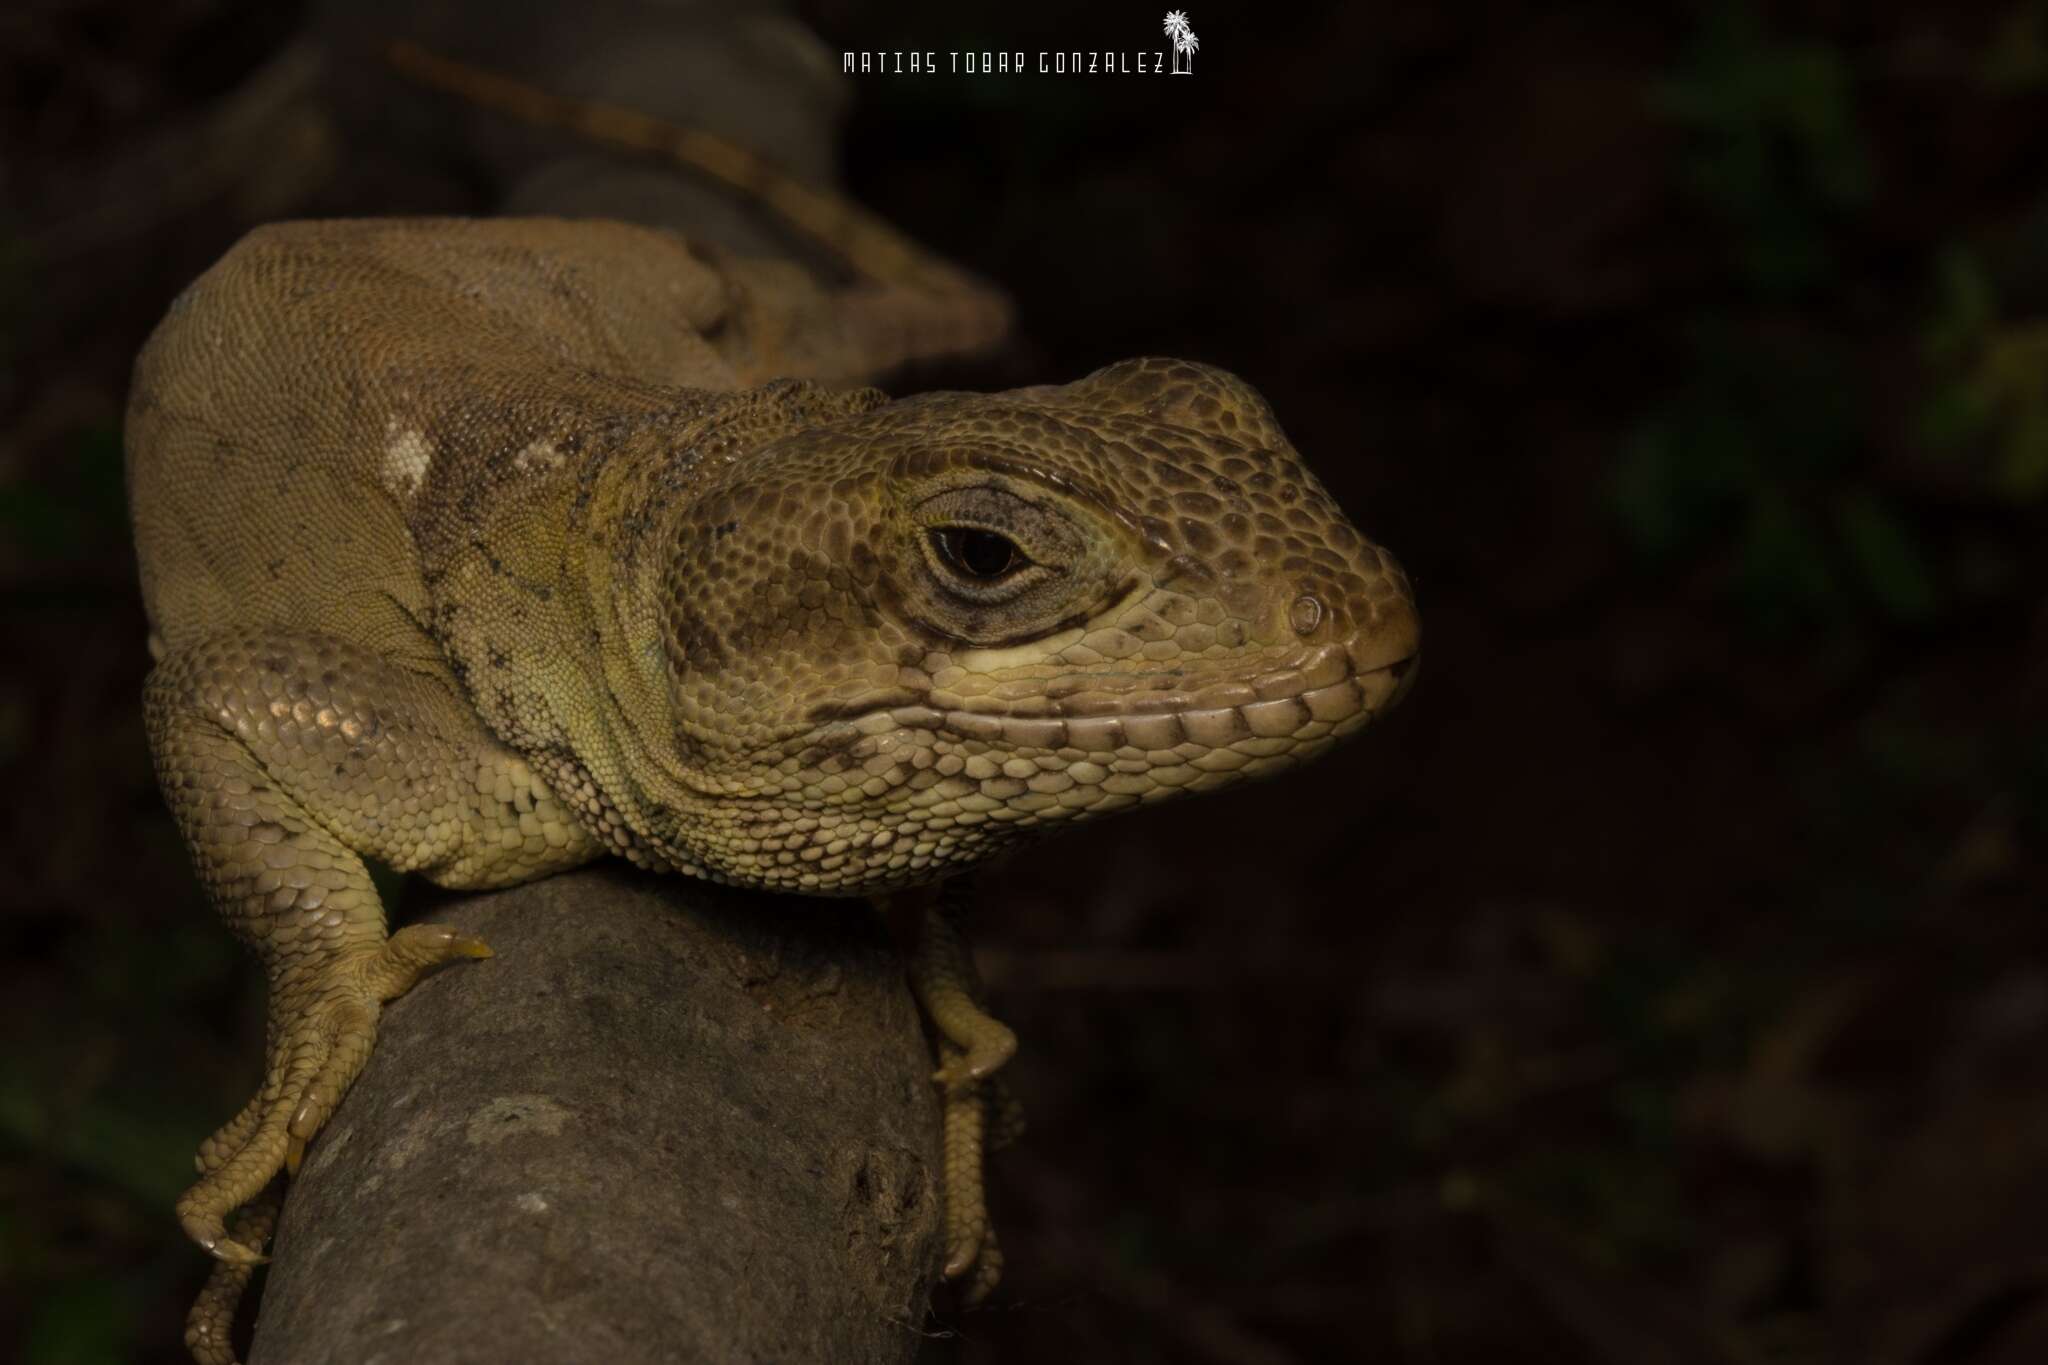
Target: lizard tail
867 245
913 304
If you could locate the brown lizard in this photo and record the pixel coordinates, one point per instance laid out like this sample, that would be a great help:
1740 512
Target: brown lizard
486 548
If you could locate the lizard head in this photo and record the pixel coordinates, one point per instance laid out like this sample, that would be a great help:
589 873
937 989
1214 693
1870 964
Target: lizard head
899 640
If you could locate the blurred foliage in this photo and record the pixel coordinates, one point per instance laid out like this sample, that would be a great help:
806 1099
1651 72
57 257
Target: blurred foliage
79 504
1762 465
14 276
2017 58
1755 460
1777 154
111 1111
1988 405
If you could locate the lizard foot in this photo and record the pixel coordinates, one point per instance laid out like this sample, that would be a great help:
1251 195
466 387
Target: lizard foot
212 1317
979 1118
942 974
323 1020
979 1113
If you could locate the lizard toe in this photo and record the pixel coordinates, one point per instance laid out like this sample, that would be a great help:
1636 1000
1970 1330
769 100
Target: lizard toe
210 1323
987 1272
231 1137
327 1026
988 1046
348 1031
313 1059
233 1182
964 1127
414 951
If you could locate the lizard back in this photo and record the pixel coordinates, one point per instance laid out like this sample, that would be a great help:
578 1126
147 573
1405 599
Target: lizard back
290 411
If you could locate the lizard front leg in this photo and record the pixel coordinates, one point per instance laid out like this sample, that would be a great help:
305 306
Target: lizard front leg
979 1114
286 759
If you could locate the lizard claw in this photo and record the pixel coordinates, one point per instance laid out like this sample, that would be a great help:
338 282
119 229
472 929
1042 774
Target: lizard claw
418 947
209 1326
468 945
987 1268
212 1236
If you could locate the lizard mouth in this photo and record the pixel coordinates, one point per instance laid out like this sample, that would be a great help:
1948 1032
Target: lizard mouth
1333 691
931 779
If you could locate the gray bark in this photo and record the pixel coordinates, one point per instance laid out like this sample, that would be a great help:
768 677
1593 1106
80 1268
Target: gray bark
666 1122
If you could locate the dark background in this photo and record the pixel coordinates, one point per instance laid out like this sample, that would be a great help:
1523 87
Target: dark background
1666 982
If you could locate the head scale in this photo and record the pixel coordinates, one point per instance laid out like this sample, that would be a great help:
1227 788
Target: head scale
900 640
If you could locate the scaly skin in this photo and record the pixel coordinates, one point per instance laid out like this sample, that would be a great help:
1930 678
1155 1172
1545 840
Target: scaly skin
484 548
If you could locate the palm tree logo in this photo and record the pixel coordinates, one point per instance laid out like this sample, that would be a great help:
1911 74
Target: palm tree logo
1184 42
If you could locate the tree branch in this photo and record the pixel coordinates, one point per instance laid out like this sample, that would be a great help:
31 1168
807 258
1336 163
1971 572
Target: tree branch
666 1122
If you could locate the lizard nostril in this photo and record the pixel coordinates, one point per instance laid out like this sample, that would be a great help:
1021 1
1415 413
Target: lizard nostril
1305 615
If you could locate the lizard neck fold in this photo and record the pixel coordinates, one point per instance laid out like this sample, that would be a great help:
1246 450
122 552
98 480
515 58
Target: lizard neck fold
627 523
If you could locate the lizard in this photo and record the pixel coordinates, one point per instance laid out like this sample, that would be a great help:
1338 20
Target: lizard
484 548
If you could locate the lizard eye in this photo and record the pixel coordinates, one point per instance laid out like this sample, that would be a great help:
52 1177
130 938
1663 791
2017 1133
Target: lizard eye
976 553
993 565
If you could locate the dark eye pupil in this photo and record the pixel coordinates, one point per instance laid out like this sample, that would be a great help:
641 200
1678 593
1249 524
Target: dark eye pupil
977 553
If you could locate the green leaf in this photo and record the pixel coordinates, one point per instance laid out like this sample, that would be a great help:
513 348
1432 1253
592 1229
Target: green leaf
1964 307
1784 571
2022 470
1777 152
1952 418
2017 58
80 1322
1887 556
